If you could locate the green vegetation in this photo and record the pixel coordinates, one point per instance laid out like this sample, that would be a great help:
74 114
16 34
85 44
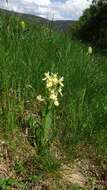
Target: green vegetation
5 184
79 123
92 25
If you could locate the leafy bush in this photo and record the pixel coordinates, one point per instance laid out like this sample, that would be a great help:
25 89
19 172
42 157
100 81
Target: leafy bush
92 25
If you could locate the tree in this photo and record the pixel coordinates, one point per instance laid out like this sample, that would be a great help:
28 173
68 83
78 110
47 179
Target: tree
97 1
93 24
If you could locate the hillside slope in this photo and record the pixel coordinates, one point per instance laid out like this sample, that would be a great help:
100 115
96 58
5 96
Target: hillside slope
60 25
53 110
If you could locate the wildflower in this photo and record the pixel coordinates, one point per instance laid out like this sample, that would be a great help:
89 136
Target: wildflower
54 79
61 81
40 99
60 91
49 83
90 50
51 91
46 76
56 103
23 25
54 86
53 97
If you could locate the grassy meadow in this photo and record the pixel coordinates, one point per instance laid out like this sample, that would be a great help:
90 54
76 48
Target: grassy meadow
79 123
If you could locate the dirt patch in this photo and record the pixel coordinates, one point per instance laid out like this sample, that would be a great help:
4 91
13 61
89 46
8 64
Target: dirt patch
85 172
71 174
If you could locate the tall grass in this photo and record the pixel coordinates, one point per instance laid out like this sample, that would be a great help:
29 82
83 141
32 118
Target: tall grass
25 55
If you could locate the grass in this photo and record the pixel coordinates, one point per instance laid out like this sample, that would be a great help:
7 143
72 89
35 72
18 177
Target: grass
25 55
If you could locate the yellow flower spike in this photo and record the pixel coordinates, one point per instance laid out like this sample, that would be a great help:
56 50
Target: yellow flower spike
54 85
23 24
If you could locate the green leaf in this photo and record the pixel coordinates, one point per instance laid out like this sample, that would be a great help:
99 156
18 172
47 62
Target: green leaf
47 127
